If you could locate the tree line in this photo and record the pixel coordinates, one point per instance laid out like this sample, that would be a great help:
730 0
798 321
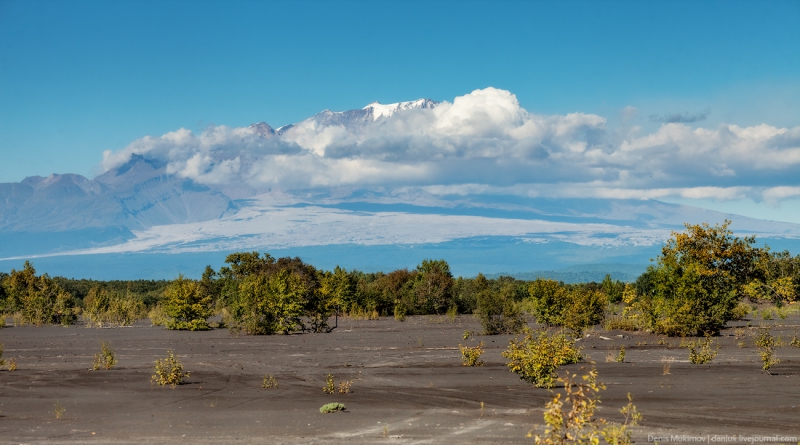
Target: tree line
699 282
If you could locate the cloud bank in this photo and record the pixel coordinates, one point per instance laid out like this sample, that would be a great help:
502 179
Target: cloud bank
485 142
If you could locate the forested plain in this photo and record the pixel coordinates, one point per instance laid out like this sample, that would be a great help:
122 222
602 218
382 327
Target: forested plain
704 278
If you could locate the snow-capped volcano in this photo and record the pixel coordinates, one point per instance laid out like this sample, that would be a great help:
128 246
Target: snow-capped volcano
356 120
379 110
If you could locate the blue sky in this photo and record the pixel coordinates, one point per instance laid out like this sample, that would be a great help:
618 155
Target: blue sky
78 78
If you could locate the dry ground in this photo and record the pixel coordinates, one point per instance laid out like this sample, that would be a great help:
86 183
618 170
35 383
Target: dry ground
408 386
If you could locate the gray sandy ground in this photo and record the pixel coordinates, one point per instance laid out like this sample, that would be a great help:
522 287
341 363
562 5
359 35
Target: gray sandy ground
408 386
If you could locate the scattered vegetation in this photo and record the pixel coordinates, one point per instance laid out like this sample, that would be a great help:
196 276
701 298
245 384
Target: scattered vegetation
537 356
572 421
344 387
169 371
36 300
12 364
766 349
106 358
102 307
471 355
701 351
332 407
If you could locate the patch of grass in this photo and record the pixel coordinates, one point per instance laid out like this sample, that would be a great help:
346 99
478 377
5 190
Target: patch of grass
741 311
452 313
766 349
667 365
537 356
157 316
622 322
169 371
795 341
471 356
269 382
467 335
332 407
741 344
106 358
701 351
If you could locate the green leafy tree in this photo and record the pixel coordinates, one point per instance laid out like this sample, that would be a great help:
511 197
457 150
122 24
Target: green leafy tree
700 277
269 304
433 287
186 305
549 299
497 310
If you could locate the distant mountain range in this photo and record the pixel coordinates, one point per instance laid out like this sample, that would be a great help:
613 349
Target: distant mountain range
141 207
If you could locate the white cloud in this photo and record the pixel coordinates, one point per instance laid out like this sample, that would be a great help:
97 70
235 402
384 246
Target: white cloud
485 142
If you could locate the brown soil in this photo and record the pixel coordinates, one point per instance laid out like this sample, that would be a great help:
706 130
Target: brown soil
408 386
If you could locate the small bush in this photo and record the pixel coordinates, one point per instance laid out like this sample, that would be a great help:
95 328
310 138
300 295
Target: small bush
330 387
498 313
700 351
400 312
169 371
577 425
105 359
332 407
621 356
795 341
538 354
741 311
2 361
269 382
58 410
345 387
470 356
766 348
12 364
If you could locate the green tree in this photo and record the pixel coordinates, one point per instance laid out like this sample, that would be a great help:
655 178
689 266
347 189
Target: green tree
269 304
433 287
549 298
187 307
39 300
700 277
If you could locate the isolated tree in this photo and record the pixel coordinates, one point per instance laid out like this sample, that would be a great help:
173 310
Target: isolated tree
186 305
